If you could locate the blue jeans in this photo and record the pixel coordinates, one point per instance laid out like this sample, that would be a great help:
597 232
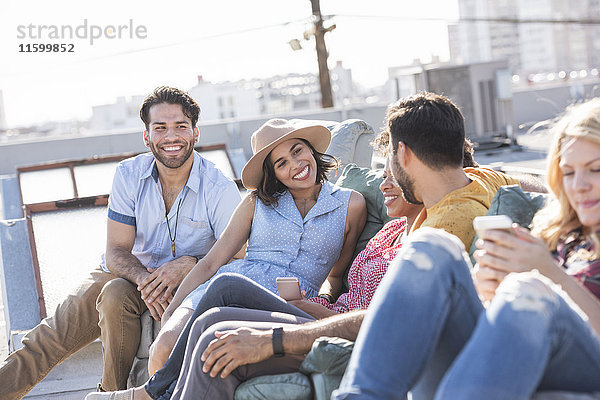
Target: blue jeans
226 290
427 312
530 339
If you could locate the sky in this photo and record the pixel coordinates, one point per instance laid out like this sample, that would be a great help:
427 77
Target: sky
171 43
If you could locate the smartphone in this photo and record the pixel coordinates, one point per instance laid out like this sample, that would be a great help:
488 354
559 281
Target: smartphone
289 288
486 222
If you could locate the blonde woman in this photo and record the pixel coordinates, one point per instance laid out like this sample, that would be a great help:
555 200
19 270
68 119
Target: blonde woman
541 330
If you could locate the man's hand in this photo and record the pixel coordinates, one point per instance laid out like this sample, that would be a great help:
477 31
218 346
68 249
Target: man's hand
163 281
156 309
158 287
234 348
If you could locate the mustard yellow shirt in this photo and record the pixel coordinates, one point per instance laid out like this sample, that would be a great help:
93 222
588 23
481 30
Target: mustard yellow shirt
455 212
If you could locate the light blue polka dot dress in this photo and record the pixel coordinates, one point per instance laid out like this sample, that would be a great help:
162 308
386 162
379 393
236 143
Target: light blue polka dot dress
281 243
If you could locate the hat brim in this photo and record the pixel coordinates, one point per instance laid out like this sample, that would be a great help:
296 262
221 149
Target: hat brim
318 136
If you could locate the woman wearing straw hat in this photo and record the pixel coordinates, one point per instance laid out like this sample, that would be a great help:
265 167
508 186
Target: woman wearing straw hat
297 224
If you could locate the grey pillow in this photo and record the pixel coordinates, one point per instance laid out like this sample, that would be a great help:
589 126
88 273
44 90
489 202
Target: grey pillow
366 182
328 355
292 386
521 206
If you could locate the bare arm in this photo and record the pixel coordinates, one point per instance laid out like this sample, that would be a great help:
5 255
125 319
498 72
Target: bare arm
242 346
355 222
119 260
298 339
520 252
230 242
530 183
588 303
315 309
164 281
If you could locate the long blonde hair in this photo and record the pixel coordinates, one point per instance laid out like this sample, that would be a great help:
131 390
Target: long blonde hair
559 218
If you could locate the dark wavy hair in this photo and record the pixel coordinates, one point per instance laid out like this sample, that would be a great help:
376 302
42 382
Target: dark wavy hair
170 95
381 142
270 189
431 125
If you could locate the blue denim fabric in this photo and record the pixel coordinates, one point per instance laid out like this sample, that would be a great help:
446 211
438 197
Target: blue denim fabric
426 315
422 314
529 339
231 290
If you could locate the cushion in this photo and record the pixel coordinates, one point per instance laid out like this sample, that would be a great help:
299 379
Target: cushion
521 206
366 182
347 142
328 355
324 385
292 386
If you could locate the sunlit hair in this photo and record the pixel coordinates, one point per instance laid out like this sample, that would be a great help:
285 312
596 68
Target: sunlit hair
558 218
270 188
431 126
381 142
170 95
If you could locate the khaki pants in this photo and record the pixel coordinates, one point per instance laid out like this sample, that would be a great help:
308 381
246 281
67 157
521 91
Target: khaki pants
193 383
102 306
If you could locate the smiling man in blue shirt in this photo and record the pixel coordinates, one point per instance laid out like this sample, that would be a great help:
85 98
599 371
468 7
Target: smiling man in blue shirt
166 210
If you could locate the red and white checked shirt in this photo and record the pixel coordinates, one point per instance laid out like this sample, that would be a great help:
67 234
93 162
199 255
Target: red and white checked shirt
368 268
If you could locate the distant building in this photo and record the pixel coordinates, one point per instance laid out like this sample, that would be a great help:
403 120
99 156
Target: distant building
242 99
481 90
225 100
2 114
274 95
124 114
529 48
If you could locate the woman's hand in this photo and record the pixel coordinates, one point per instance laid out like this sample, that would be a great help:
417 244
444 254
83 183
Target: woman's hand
518 251
486 281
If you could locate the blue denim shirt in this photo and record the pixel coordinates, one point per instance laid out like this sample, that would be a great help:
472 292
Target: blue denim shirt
208 200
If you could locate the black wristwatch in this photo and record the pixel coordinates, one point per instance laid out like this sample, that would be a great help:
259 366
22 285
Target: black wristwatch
328 297
278 342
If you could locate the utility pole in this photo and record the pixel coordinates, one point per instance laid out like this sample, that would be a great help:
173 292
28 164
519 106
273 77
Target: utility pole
324 79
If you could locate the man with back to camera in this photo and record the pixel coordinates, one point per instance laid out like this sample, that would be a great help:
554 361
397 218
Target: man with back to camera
425 135
166 210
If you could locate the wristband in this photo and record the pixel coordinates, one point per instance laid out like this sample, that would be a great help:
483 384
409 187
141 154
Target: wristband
278 342
328 297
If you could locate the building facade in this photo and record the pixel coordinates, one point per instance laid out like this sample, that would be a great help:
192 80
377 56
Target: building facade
529 47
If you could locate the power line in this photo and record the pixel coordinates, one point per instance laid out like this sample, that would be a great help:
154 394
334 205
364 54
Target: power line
501 20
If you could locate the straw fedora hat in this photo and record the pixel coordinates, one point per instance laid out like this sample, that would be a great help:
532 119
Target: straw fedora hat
272 133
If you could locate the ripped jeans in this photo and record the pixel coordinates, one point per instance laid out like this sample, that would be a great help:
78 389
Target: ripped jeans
426 325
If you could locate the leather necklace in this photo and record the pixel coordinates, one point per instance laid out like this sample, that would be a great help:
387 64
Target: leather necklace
172 238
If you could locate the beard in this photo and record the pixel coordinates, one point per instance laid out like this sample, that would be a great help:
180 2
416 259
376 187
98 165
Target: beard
173 162
406 183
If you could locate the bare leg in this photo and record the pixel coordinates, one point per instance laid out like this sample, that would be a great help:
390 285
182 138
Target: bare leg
166 339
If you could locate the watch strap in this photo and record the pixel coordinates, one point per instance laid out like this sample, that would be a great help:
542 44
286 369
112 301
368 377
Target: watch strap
278 342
